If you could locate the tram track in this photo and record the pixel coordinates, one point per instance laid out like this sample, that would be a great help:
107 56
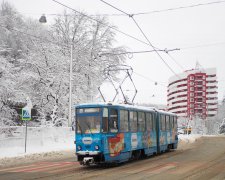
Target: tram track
209 166
93 172
203 159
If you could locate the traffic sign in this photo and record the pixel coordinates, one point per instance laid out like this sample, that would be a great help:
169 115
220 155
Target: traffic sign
26 114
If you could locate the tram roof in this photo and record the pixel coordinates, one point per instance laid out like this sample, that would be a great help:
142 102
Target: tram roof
128 106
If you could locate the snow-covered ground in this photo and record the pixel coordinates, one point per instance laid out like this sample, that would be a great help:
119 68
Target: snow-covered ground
58 148
39 140
189 138
44 140
184 140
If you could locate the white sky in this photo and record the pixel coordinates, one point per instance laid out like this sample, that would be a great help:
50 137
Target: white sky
171 29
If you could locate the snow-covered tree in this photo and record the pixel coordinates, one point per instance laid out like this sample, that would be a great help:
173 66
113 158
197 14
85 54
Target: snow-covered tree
35 63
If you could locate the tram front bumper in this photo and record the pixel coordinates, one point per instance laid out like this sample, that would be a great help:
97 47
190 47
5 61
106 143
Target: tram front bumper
91 153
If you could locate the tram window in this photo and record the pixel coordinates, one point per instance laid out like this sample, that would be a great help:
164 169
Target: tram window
113 122
133 121
163 123
175 122
153 122
167 122
171 122
105 120
141 121
149 122
124 121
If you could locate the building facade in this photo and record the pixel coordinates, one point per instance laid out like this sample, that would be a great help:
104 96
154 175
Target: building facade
193 93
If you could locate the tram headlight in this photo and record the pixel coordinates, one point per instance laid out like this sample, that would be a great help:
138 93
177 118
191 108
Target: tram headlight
79 148
96 147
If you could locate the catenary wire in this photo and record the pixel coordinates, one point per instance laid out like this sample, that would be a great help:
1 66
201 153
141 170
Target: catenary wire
149 12
181 7
202 45
131 16
102 54
149 79
115 29
138 52
176 61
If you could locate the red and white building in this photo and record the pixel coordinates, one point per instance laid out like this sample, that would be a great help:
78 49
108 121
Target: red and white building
193 93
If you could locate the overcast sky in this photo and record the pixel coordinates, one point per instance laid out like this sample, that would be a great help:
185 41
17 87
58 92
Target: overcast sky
199 32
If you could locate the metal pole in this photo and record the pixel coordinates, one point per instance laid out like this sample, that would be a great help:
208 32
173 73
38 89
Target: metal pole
70 86
26 138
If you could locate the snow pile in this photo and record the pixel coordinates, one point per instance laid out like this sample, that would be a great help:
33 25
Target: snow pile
185 140
38 140
189 138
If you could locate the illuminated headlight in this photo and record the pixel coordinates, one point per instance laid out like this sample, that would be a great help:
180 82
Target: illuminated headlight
96 147
79 148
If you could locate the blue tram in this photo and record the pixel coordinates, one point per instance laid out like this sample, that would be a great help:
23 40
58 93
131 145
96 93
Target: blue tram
115 133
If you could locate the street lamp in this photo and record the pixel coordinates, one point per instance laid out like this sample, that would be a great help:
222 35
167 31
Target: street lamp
44 20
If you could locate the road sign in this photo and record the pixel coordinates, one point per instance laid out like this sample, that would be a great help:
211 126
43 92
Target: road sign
26 114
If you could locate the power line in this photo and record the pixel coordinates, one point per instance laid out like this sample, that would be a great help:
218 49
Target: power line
146 13
102 54
132 16
139 52
156 82
202 45
100 22
176 61
115 8
181 7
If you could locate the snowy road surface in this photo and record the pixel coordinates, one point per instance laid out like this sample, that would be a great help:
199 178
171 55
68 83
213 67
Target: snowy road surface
202 159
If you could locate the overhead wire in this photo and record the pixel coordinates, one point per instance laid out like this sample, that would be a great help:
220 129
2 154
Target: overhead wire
202 45
149 79
132 16
181 7
178 64
138 52
149 12
65 45
115 29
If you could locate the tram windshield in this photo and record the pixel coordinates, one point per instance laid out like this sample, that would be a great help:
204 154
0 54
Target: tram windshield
88 124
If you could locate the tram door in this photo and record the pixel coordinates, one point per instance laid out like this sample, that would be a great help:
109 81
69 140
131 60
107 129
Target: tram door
109 126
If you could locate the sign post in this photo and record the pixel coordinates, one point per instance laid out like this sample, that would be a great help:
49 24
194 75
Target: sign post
26 116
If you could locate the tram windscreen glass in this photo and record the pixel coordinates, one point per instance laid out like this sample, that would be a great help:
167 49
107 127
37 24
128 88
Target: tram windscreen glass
88 124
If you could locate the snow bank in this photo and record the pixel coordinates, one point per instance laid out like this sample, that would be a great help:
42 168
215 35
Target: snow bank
185 140
188 138
44 139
